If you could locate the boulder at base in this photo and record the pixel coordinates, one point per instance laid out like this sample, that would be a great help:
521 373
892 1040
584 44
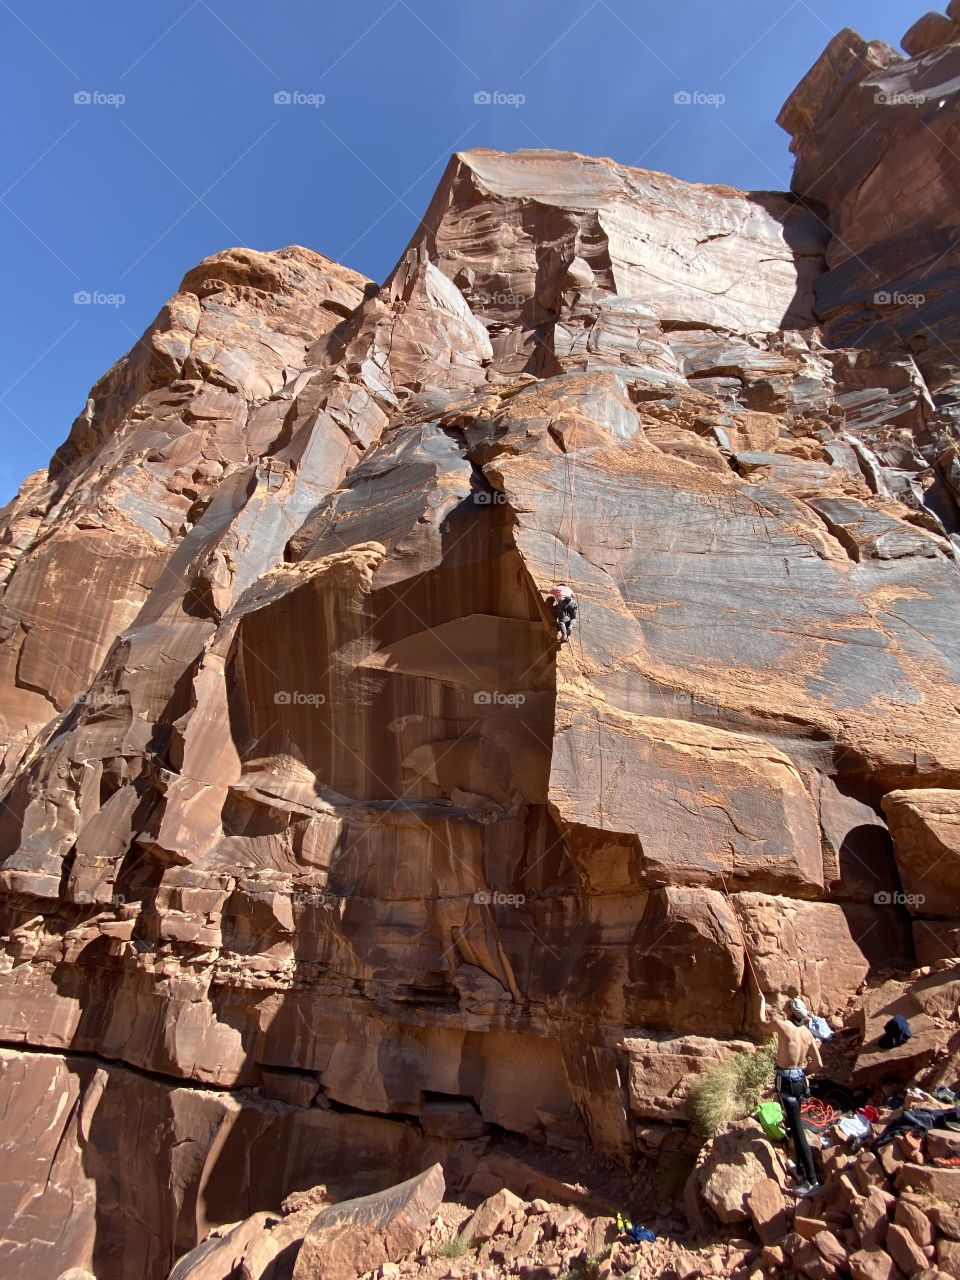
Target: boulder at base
345 1240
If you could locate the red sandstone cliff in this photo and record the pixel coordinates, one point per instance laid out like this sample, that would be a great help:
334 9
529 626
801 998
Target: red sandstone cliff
301 797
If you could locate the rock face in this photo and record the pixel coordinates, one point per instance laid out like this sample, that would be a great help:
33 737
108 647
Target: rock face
300 795
360 1235
85 544
872 133
68 1195
926 833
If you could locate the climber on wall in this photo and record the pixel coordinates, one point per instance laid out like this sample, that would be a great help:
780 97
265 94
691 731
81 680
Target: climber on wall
564 605
796 1047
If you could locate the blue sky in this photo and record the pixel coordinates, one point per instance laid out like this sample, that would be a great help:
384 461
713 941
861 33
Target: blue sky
142 138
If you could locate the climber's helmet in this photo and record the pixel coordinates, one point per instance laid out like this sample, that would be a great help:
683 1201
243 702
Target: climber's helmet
798 1011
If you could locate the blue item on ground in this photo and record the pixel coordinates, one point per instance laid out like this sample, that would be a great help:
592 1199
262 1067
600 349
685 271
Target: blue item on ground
641 1234
895 1033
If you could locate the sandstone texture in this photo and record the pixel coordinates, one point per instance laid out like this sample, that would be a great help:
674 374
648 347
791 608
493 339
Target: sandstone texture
317 852
359 1235
926 830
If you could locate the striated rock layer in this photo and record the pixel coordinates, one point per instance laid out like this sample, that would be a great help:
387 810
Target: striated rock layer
304 811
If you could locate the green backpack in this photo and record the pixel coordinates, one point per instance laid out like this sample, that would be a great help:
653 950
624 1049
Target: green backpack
770 1115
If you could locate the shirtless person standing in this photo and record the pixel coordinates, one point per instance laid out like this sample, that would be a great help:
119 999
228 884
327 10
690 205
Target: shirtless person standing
796 1047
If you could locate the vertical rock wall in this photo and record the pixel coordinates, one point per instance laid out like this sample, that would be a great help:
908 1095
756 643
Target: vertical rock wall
307 815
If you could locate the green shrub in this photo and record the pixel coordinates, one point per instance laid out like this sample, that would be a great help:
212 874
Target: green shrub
732 1090
588 1270
454 1248
755 1071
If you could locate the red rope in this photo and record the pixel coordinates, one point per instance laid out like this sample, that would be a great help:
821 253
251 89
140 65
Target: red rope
820 1114
571 489
573 485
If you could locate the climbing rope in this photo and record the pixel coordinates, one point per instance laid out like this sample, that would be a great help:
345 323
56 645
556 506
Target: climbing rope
817 1114
563 511
695 794
570 486
569 489
572 475
599 761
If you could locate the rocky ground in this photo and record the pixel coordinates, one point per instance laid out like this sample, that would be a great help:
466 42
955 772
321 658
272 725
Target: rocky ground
881 1212
876 1217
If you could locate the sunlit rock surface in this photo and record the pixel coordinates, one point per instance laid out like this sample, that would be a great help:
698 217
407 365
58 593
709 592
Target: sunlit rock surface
306 814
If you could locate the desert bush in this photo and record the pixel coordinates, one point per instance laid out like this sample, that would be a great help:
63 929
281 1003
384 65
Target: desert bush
732 1090
453 1248
589 1269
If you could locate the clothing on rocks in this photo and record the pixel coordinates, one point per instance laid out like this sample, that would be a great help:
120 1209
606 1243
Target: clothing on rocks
918 1120
856 1127
895 1033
